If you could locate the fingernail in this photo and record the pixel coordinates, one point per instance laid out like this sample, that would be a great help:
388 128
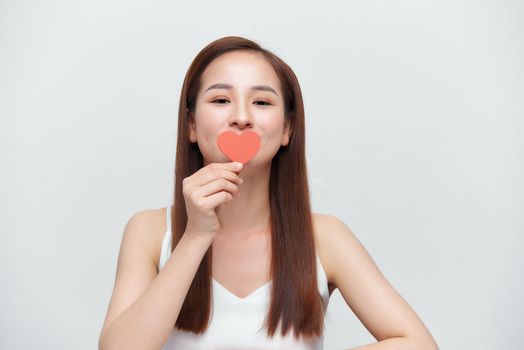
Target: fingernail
239 165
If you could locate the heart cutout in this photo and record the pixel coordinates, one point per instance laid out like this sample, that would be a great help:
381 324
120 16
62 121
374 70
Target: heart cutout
239 147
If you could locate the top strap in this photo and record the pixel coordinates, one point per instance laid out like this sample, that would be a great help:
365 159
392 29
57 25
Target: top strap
168 218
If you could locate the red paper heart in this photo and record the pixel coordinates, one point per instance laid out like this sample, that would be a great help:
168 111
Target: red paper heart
239 148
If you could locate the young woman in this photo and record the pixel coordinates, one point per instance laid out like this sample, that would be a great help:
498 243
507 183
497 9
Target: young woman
240 261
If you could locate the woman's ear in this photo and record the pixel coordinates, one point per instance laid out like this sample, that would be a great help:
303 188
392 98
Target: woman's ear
192 128
287 133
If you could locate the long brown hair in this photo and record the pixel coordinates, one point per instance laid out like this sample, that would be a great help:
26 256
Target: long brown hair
295 299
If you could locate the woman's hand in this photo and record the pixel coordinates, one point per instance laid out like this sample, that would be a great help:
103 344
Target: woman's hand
205 190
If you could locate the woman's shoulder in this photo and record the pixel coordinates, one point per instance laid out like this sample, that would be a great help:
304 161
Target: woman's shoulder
153 225
326 229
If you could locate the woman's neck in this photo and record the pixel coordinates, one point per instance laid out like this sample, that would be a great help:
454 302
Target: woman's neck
250 211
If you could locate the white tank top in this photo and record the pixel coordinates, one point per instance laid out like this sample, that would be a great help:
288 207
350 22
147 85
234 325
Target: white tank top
236 323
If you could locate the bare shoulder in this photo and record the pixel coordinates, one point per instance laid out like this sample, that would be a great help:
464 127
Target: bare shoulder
151 225
330 234
135 266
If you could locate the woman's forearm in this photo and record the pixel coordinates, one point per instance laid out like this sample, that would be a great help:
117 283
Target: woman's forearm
149 321
400 343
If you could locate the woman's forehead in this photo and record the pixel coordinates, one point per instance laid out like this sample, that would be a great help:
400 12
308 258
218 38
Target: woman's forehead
240 70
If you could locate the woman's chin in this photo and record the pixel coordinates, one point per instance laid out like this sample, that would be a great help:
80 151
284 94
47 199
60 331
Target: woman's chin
256 164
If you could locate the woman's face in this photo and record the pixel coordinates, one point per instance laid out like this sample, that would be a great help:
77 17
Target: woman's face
235 105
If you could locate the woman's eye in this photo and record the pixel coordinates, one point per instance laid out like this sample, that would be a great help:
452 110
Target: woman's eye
219 99
264 103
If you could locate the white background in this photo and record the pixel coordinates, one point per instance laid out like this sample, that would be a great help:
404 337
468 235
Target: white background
414 120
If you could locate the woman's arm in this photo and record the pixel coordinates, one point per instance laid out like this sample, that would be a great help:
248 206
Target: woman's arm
145 306
399 343
379 307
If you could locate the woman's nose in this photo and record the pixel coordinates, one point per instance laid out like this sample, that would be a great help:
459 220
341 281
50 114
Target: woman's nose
241 117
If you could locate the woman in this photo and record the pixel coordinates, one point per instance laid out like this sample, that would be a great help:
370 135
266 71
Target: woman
244 264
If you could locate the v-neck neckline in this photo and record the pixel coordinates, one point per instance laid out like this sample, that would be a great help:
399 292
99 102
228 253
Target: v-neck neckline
236 297
233 296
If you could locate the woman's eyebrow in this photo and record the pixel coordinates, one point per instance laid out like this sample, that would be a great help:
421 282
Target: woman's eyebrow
229 86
